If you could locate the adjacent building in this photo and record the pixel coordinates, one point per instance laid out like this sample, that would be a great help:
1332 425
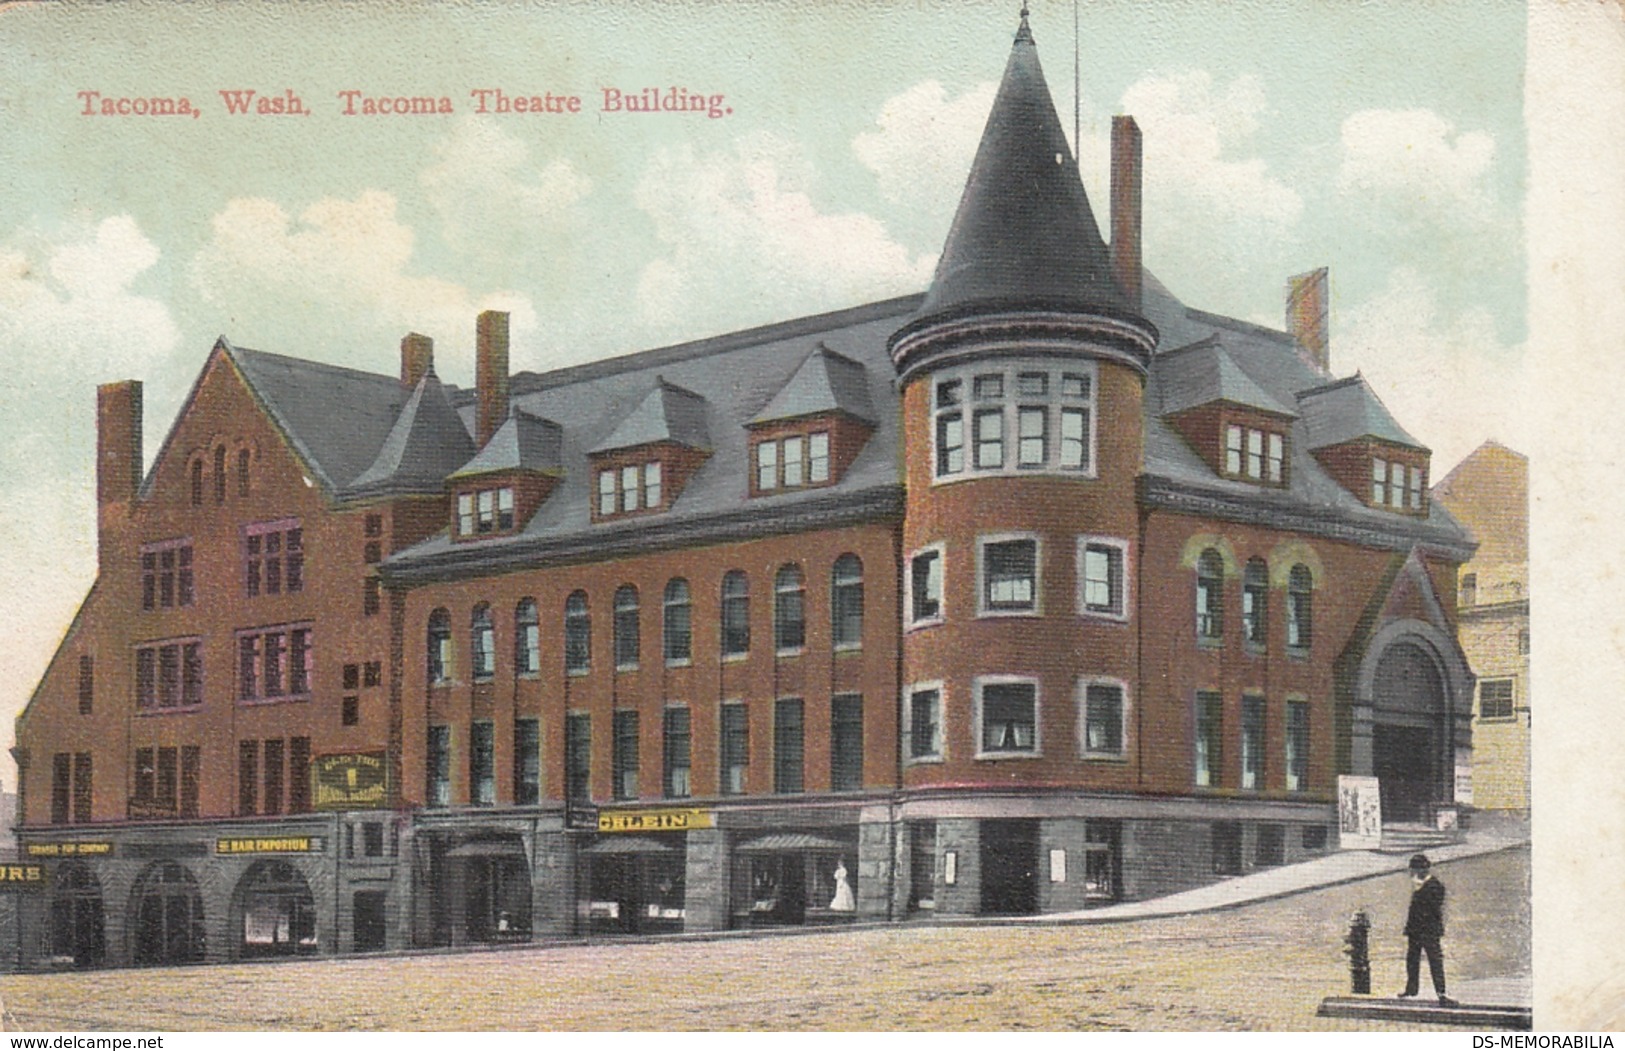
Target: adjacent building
1037 590
1488 492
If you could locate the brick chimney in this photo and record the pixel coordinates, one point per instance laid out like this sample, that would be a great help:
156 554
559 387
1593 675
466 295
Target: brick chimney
490 373
1126 211
118 453
1307 309
417 357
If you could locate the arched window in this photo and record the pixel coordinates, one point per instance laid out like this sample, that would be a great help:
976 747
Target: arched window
789 609
527 639
1255 597
439 646
1300 589
735 614
626 626
846 602
220 474
678 633
577 633
1210 595
482 653
197 483
242 472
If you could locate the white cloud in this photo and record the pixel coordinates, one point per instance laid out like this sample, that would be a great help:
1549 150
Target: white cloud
739 226
1420 155
1436 371
924 143
67 304
491 198
341 266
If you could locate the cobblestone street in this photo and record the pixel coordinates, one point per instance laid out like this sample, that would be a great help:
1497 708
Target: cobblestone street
1263 966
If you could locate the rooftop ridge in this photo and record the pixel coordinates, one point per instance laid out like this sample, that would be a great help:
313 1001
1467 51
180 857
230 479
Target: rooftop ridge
315 363
1346 381
529 382
1224 321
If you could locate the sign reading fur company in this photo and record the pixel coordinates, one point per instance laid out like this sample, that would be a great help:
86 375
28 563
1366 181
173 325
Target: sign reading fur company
351 781
669 820
74 849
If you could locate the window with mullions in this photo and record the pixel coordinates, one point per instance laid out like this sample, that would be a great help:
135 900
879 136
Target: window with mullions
166 574
1300 590
925 578
1102 577
1103 712
925 722
1252 742
788 746
735 614
846 602
677 635
1209 738
1009 575
1255 595
625 754
485 511
1255 454
482 768
1297 746
1210 596
275 664
735 748
1495 699
482 651
1009 717
792 462
274 558
527 640
169 675
439 648
631 487
527 762
578 757
1021 418
626 627
439 766
677 749
789 610
846 742
577 634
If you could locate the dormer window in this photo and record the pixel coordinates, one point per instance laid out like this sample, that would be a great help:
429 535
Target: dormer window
631 487
792 461
1257 454
1021 418
1396 485
484 511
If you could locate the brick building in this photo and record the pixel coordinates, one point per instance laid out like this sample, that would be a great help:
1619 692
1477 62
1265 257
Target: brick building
1037 590
1489 493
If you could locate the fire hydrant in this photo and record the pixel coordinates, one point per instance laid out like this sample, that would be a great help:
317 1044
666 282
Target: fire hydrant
1357 944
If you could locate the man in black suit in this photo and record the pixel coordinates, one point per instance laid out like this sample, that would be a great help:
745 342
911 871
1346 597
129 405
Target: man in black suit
1424 929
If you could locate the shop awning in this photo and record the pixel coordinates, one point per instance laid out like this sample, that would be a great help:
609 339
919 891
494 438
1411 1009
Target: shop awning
778 841
629 845
488 848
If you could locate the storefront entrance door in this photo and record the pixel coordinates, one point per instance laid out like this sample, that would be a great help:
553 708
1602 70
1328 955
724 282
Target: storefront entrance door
1009 867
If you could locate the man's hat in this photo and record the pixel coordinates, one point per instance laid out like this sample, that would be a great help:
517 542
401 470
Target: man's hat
1420 863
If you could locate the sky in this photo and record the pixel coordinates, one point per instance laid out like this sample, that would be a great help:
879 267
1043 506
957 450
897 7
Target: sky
1384 139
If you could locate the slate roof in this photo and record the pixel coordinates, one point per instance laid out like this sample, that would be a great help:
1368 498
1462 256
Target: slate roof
427 443
668 413
1202 373
1347 410
825 382
336 418
1024 234
523 442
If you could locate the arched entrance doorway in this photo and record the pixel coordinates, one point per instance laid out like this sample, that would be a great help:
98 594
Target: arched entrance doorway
277 909
167 916
1410 732
77 929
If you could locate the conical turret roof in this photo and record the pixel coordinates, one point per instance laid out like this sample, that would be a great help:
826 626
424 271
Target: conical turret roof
1024 235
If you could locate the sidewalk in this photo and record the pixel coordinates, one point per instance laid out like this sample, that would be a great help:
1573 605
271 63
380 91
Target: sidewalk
1489 836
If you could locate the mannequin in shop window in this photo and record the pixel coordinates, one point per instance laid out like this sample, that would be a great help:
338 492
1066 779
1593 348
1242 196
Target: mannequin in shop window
843 900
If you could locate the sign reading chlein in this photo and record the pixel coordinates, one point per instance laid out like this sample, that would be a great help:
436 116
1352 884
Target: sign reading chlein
670 820
270 845
351 781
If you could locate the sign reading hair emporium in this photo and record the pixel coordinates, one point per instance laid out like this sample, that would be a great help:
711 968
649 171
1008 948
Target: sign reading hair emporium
670 820
270 845
351 781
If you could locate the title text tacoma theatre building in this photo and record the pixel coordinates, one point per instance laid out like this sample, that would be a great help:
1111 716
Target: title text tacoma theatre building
1037 590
